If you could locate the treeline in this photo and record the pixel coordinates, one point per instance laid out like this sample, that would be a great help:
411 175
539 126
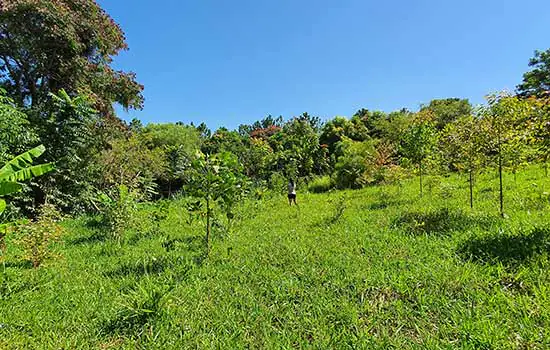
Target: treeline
58 90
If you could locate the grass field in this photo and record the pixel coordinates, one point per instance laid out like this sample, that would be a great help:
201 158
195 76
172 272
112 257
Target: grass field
373 268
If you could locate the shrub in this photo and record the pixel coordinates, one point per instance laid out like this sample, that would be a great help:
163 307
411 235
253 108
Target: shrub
355 165
37 237
321 184
118 210
277 183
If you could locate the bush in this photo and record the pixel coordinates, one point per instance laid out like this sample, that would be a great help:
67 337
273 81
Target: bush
321 184
277 183
36 237
355 166
118 211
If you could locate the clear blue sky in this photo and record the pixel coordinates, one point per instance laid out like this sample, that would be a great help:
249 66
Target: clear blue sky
231 62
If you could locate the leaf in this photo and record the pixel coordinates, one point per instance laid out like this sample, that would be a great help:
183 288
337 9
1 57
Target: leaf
21 161
9 187
28 173
2 206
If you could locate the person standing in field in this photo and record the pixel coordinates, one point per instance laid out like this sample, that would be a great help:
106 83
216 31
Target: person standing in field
292 192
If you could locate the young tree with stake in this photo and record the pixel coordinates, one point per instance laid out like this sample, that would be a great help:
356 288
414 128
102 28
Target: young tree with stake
506 116
218 181
461 143
418 143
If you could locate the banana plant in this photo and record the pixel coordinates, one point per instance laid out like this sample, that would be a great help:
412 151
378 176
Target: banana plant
20 169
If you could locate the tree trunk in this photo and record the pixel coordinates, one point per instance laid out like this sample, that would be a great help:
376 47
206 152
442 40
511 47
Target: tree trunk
420 165
500 185
501 193
207 226
471 189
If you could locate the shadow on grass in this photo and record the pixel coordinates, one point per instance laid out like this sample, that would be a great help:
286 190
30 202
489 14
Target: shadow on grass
383 204
511 250
12 284
179 266
96 223
95 237
99 232
190 243
190 252
441 221
23 264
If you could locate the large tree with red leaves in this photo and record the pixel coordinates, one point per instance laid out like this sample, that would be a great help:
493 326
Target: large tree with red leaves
49 45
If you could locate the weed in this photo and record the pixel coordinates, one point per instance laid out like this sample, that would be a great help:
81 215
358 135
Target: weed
36 237
139 307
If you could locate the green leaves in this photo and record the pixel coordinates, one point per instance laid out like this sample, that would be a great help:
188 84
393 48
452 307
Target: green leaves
418 141
218 181
537 81
37 49
20 169
9 188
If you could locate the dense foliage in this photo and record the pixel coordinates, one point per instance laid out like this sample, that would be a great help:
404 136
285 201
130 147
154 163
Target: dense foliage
49 45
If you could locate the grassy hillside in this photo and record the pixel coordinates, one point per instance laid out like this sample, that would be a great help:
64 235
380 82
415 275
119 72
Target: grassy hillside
376 268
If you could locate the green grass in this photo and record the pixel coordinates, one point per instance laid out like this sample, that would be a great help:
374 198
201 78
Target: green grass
375 268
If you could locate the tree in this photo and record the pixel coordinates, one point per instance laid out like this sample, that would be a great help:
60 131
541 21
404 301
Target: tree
217 180
418 143
369 119
539 126
224 140
394 125
16 136
258 159
179 143
355 163
537 81
462 144
506 116
72 135
49 45
338 128
301 154
313 121
131 163
447 110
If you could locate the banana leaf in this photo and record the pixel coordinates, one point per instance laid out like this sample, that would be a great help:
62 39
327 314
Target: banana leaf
9 187
21 161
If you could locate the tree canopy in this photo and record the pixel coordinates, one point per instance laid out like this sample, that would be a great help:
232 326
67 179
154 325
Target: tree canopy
49 45
536 82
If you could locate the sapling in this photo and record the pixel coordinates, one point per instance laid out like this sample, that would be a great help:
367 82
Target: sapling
506 117
418 143
217 180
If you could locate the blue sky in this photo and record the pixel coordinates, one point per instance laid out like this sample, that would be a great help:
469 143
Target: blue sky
231 62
